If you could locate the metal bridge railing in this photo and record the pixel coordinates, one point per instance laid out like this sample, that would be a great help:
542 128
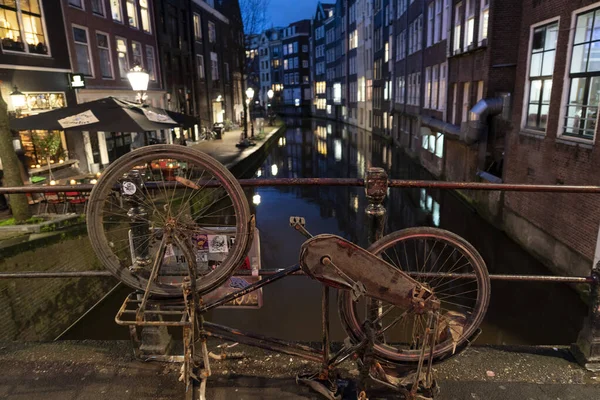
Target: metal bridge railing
587 348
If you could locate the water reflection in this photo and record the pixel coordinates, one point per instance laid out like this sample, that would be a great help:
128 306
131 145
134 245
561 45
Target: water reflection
519 313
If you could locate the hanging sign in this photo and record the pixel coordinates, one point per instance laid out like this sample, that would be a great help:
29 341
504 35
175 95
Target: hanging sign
84 118
77 81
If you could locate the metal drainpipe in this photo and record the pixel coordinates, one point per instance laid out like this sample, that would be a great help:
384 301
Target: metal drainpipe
477 128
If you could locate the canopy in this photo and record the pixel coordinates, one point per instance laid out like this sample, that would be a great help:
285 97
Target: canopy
106 115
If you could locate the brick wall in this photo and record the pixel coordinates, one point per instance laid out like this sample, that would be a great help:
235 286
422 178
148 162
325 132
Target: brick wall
40 309
546 158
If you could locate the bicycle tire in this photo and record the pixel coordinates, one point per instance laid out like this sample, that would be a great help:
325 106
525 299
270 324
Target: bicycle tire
348 308
102 190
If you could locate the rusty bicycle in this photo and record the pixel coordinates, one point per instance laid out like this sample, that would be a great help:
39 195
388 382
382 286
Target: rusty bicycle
173 223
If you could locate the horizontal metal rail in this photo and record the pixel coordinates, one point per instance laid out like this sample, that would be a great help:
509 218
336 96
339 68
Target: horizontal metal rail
395 183
271 272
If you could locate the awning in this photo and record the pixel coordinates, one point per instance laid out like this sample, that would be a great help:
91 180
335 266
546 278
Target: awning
107 115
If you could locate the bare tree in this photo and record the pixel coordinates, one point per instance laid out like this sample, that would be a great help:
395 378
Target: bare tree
254 15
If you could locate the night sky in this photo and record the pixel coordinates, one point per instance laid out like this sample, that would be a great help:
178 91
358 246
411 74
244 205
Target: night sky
283 12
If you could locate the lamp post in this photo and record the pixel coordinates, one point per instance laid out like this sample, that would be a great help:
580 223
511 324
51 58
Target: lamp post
269 110
250 96
138 79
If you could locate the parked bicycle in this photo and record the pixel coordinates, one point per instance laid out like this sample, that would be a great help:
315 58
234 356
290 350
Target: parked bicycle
206 134
172 222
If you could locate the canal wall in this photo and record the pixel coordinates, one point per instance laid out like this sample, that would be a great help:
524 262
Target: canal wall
41 309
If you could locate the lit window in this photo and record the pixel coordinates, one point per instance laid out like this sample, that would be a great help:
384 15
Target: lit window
197 27
22 20
115 9
457 26
122 56
470 23
484 17
82 51
132 14
145 13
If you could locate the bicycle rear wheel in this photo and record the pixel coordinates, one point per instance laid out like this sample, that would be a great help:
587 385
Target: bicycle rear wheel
428 255
156 199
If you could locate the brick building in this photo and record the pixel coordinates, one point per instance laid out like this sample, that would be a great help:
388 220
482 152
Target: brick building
323 14
553 136
35 61
106 39
297 93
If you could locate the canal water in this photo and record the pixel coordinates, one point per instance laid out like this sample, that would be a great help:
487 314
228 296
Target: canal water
519 312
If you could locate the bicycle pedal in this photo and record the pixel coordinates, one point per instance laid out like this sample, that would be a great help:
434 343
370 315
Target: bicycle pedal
297 221
358 290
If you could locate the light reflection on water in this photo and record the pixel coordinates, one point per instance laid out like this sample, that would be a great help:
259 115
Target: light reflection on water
519 312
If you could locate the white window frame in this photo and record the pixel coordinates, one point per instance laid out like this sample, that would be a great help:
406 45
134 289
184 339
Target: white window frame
212 32
567 81
446 14
149 31
430 18
139 45
212 70
154 62
197 27
137 19
74 6
443 86
21 32
469 24
120 8
112 65
435 76
457 29
103 5
126 56
466 104
427 103
89 47
527 85
483 11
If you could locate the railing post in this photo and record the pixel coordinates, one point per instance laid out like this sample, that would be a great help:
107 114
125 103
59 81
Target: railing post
376 185
587 348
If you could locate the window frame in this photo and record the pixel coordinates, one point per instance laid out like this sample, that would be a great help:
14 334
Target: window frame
482 10
567 81
19 15
137 21
75 6
89 48
528 78
141 53
103 5
154 62
112 66
112 17
197 38
147 8
126 55
212 33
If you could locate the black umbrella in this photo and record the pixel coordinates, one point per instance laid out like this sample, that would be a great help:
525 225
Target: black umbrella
106 115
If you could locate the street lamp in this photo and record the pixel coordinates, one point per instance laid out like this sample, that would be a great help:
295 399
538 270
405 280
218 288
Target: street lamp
269 110
250 95
18 100
138 79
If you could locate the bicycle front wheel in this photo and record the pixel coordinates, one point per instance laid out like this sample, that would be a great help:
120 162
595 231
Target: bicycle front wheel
151 203
443 262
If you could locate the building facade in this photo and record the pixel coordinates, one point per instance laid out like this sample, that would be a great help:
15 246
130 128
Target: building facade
35 61
297 93
553 135
105 40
